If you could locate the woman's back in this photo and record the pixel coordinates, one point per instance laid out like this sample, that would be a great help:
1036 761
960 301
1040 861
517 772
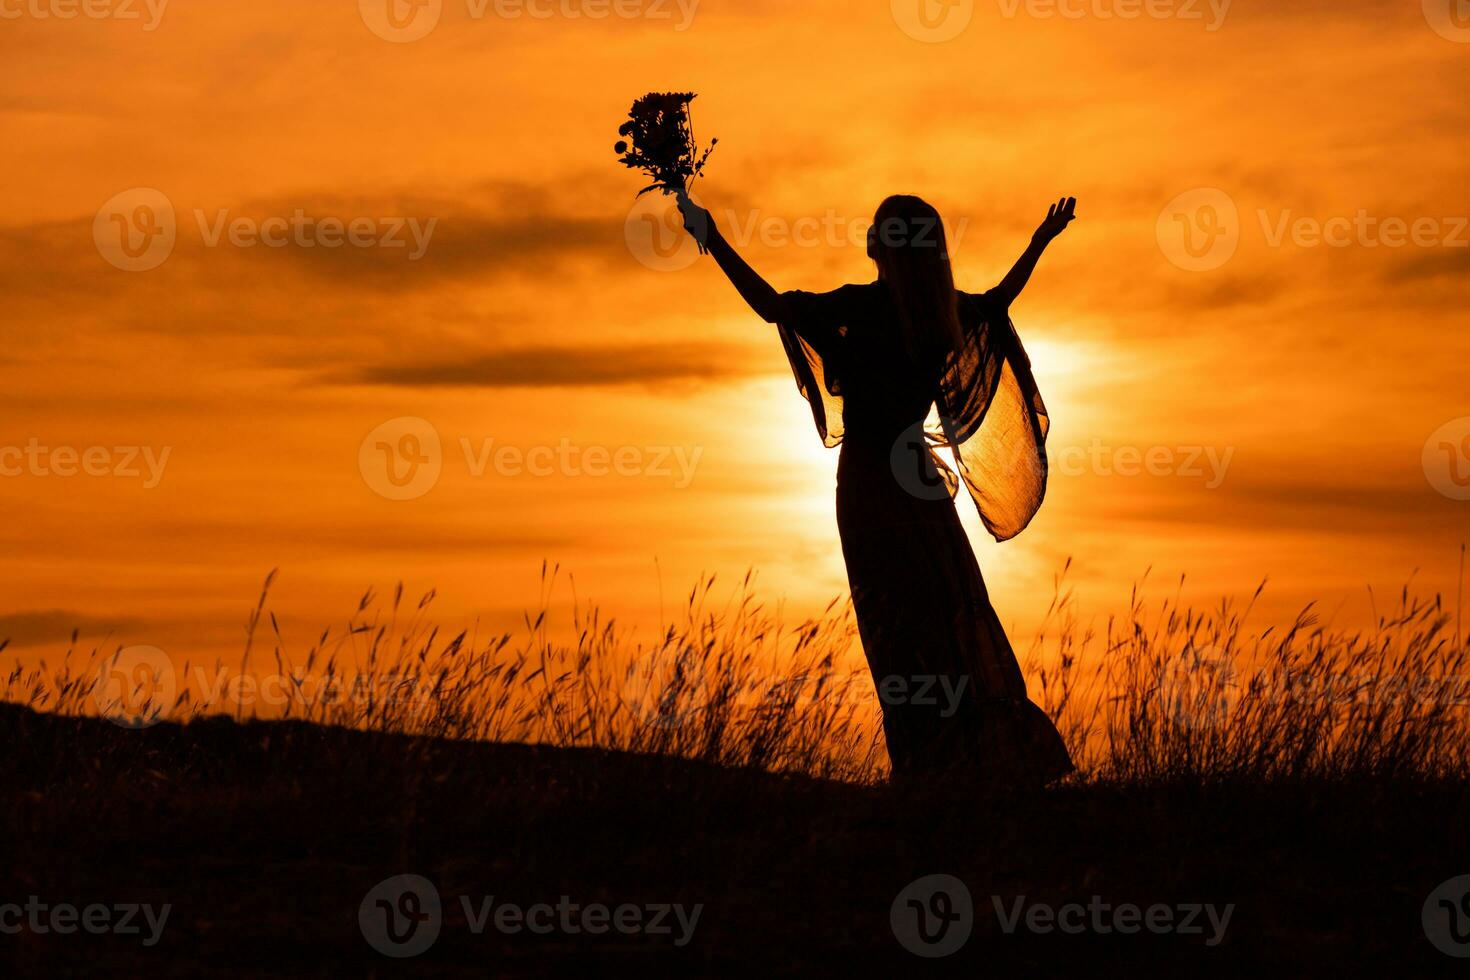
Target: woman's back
860 336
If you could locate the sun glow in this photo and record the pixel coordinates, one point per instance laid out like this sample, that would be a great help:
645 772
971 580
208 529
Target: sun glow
532 317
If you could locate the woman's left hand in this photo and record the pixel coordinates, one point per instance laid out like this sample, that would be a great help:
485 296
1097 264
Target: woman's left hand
1058 217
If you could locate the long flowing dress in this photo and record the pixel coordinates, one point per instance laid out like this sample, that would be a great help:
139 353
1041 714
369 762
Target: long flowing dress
953 696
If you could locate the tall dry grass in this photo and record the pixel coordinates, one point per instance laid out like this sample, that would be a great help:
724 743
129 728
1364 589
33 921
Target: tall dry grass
1163 692
1173 692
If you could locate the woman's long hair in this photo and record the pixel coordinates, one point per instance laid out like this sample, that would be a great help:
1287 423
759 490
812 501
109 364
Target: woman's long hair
907 241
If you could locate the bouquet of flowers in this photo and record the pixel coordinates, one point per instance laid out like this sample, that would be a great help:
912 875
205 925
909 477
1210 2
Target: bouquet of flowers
658 139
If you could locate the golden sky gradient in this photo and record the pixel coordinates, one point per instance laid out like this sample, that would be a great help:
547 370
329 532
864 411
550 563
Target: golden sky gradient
538 315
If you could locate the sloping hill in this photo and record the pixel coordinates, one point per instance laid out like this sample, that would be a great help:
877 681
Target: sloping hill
268 839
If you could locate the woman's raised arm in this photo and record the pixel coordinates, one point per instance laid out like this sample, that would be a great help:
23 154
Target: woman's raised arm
1058 217
763 299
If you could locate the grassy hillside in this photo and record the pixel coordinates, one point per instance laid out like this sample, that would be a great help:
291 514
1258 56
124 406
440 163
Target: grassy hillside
265 838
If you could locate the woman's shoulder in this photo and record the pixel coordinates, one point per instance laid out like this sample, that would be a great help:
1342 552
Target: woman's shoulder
841 305
853 292
983 306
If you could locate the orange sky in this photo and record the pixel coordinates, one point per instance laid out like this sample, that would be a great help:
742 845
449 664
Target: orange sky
537 315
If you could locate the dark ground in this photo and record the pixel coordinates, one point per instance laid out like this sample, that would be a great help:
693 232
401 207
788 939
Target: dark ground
266 837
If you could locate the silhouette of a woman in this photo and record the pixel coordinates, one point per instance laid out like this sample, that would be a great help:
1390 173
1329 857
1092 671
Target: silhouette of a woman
874 361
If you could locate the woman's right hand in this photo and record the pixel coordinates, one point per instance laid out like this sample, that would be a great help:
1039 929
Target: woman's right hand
697 220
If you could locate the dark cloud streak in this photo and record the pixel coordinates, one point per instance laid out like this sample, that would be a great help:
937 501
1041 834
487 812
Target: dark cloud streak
46 626
574 367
